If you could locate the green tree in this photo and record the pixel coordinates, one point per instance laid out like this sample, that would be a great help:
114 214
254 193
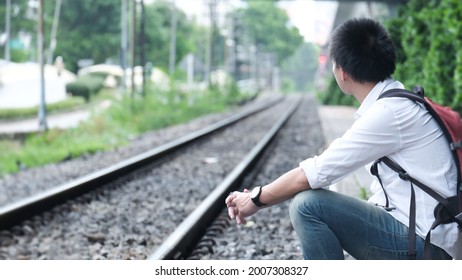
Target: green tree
158 32
88 30
428 35
267 26
22 22
301 67
91 30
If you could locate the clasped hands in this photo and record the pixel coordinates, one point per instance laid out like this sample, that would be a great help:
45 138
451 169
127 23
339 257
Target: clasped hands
240 206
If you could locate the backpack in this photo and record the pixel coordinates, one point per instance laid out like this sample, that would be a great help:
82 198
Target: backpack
448 210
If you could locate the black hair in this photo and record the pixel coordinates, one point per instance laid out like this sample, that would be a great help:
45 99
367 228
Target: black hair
364 50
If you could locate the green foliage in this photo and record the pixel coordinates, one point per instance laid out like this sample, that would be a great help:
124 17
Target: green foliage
158 32
363 194
428 35
19 55
88 30
301 68
91 30
137 115
19 21
19 16
85 86
288 85
66 104
268 28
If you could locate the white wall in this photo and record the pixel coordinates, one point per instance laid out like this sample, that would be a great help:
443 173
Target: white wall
20 85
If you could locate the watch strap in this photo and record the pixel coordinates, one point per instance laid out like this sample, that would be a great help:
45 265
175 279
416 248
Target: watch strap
256 199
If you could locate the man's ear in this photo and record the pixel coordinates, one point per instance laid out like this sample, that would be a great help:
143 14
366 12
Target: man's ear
343 75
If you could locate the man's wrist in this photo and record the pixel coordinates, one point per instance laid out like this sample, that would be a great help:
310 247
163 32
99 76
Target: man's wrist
255 196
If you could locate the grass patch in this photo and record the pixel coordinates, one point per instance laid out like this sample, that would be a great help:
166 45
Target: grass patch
69 103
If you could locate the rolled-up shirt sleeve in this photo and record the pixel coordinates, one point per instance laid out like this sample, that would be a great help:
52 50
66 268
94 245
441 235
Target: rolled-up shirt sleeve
330 166
313 175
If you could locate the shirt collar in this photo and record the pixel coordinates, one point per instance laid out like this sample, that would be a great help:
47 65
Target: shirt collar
372 96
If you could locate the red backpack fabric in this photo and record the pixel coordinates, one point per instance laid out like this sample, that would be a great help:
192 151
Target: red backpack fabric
448 210
453 123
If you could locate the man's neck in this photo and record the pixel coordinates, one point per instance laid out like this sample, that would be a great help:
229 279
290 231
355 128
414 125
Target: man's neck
360 91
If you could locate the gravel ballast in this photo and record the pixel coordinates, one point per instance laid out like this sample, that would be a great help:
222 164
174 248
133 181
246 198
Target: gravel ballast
130 218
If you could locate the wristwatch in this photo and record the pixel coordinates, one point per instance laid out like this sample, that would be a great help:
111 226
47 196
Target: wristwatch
255 196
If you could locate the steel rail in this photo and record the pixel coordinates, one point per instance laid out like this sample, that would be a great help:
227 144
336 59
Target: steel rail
182 241
18 211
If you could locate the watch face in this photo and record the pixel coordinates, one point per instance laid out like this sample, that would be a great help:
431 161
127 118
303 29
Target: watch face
255 192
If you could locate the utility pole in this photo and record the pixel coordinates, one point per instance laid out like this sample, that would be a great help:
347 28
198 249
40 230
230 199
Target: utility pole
174 22
211 39
123 44
54 30
143 45
42 108
231 47
133 43
253 56
7 27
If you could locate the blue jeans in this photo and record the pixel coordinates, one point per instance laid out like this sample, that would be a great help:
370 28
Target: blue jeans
328 222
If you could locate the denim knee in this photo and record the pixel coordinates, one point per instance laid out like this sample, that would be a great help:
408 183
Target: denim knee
302 203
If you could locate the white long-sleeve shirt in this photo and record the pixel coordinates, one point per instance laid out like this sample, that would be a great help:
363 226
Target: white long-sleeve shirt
404 131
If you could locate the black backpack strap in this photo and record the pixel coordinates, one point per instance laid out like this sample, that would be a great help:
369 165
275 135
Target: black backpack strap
405 176
412 208
375 171
397 92
445 212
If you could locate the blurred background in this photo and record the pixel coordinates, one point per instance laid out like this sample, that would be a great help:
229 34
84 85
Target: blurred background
138 65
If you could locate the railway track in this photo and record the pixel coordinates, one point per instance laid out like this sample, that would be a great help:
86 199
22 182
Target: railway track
15 212
130 228
181 243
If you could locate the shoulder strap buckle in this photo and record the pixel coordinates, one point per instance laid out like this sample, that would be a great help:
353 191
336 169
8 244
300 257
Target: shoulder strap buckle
404 176
456 145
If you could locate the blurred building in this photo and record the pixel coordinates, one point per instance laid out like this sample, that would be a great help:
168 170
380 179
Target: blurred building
20 84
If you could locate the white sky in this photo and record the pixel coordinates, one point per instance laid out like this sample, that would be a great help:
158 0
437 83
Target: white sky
314 19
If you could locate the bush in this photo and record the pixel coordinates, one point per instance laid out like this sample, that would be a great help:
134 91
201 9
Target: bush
85 86
19 55
428 36
78 89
